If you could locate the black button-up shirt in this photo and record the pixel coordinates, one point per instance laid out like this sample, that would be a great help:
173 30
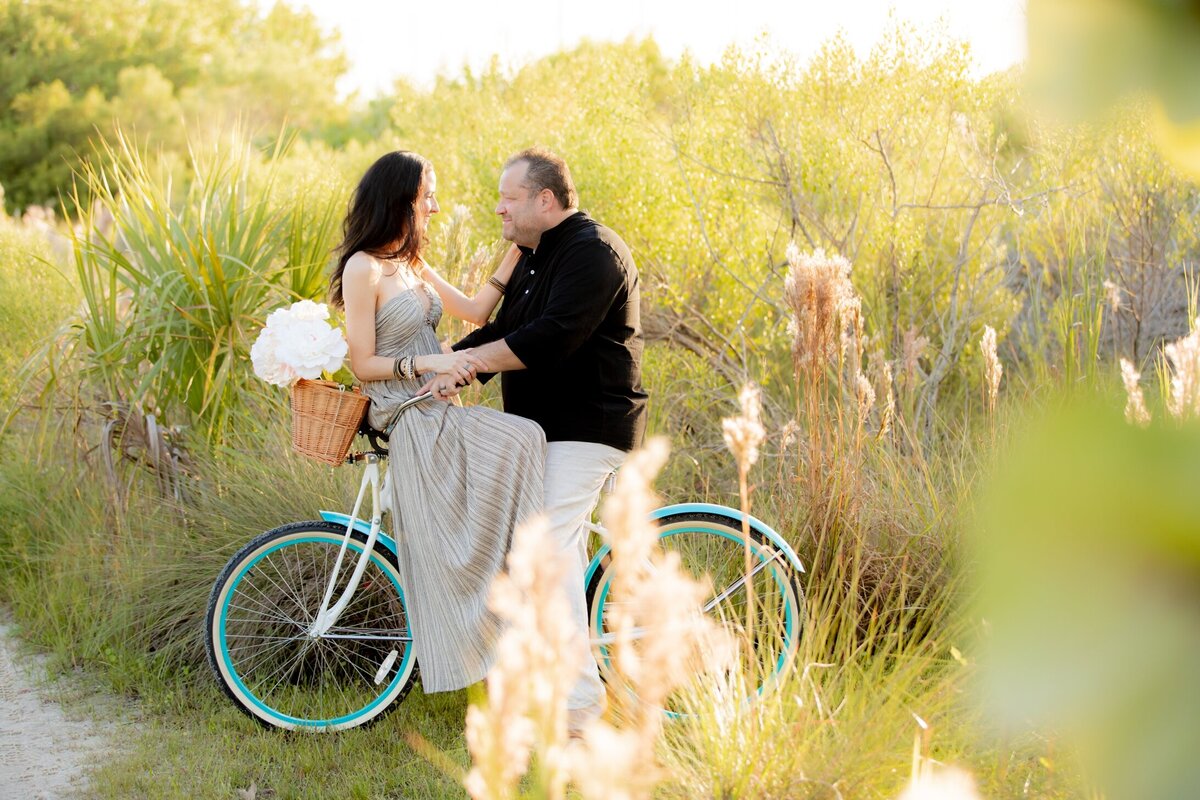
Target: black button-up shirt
571 314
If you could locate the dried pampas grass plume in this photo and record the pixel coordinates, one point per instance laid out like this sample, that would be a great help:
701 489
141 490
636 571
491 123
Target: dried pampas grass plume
1135 405
744 433
822 299
883 374
1183 356
537 660
914 346
992 368
864 393
1112 295
946 783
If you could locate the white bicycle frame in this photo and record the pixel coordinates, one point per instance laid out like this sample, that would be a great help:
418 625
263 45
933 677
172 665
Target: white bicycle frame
328 615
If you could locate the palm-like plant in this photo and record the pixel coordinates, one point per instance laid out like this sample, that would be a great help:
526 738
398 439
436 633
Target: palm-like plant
175 292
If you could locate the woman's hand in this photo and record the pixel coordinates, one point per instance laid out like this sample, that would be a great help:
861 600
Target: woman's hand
504 269
442 388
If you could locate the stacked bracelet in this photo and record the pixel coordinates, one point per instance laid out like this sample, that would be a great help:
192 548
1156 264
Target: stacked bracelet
405 368
500 285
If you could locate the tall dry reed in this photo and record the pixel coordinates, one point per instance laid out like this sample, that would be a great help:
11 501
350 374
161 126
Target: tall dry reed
659 640
537 660
1183 358
743 436
827 337
992 370
1135 405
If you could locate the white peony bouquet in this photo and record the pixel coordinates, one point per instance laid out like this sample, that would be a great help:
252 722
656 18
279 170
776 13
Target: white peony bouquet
298 343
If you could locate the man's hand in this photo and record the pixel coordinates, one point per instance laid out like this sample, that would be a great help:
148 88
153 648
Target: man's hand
459 367
494 357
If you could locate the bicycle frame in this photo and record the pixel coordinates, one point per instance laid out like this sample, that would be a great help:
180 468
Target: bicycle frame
328 615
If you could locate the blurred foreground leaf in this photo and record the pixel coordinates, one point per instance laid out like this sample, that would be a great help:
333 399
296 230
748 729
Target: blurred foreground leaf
1089 546
1087 55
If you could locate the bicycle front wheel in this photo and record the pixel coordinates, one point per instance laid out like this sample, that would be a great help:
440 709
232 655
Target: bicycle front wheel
763 608
258 635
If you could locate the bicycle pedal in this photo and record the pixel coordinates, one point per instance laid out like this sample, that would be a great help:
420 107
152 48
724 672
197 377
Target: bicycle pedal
386 666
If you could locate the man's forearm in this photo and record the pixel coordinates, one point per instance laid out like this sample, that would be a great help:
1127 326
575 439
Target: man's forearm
497 357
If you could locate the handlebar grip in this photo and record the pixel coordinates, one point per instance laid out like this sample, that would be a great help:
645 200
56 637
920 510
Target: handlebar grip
407 404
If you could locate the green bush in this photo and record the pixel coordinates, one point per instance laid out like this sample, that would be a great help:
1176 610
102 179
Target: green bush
36 296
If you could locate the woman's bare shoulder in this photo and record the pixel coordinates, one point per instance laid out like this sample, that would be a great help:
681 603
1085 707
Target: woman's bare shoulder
362 266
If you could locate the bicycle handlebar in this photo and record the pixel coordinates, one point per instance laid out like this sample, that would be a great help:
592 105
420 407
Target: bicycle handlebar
405 406
373 435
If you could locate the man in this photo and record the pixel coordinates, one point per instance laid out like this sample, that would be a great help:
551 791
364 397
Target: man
568 340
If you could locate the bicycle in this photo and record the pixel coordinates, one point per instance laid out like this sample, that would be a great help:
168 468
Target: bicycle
293 657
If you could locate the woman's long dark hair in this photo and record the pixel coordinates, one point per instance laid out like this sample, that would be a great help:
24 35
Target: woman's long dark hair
380 219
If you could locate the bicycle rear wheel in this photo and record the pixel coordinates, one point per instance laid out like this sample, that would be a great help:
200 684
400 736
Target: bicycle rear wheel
257 631
713 546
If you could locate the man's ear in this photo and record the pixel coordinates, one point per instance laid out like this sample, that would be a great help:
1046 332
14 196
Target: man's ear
545 199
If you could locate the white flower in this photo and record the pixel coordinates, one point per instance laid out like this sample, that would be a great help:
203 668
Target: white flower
305 310
297 343
266 364
311 346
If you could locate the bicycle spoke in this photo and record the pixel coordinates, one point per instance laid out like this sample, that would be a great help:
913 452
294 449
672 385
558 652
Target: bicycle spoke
284 670
289 593
314 680
265 612
759 607
737 584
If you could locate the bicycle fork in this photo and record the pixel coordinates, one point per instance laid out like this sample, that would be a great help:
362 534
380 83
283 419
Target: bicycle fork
328 615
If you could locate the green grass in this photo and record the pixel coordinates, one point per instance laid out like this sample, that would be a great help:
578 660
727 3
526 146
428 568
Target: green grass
119 589
196 744
36 296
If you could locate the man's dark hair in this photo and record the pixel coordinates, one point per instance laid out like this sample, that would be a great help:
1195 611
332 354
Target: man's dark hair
547 170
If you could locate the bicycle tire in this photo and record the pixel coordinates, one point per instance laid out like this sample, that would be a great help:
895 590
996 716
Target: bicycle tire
706 540
265 596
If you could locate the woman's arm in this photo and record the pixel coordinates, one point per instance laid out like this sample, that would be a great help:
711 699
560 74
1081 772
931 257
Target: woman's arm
478 309
360 285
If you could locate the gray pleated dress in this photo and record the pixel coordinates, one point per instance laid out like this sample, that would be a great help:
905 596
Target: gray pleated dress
462 479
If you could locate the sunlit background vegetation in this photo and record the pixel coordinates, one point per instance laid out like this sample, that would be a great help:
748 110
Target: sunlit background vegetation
1003 568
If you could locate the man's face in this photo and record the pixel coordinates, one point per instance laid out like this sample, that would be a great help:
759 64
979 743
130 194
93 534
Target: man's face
519 208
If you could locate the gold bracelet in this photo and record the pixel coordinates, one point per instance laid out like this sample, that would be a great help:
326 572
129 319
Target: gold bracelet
494 281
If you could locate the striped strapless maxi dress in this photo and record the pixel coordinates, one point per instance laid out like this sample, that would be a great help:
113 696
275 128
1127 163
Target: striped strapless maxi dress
462 478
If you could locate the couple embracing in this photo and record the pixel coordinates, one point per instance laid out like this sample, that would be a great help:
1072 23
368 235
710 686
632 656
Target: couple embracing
567 342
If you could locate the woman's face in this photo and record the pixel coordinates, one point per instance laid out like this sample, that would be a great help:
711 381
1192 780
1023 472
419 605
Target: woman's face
426 204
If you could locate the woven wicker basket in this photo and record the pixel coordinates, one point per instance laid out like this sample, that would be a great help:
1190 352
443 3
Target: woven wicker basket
325 418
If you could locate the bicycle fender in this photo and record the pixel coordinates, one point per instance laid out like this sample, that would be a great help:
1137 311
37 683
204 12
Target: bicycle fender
768 533
361 525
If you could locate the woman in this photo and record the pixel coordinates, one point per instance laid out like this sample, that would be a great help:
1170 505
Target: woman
461 478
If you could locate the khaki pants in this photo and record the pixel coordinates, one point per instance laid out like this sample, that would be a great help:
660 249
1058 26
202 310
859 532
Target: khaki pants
575 474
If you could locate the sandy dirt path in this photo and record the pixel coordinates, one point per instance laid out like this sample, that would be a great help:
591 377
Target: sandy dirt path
43 749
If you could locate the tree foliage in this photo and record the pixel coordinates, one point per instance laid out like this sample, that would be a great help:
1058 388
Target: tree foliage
160 69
